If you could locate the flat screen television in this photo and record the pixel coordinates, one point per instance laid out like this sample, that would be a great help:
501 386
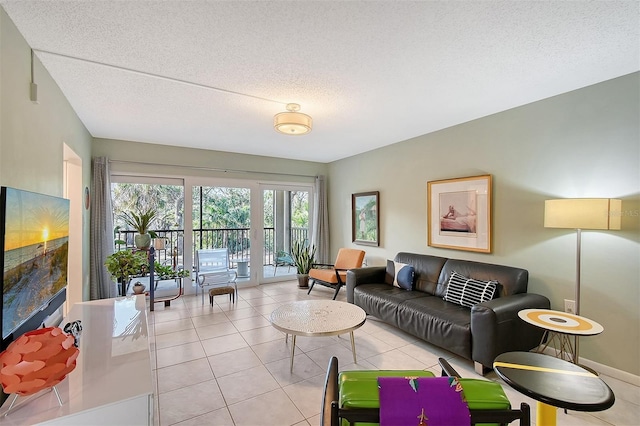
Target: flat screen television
34 238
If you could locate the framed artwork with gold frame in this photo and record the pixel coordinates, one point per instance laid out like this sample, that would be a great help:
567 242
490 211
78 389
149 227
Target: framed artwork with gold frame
459 213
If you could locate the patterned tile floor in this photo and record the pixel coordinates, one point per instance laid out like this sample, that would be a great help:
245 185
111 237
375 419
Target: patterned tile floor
226 365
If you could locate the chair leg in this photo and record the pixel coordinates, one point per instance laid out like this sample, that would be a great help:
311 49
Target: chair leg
337 290
311 286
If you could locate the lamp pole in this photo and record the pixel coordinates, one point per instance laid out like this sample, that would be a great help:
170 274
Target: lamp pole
575 337
579 234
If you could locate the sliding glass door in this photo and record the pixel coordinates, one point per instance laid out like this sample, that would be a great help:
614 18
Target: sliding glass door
222 219
165 197
257 223
286 219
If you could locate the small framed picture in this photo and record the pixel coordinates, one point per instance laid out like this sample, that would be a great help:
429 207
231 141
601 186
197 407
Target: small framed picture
365 218
459 213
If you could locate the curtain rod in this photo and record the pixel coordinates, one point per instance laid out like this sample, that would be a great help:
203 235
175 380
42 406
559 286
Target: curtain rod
210 169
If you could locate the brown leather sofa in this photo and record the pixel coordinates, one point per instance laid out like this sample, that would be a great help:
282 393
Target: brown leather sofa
479 333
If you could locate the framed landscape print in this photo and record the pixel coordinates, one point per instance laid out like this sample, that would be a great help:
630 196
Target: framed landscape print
365 218
459 213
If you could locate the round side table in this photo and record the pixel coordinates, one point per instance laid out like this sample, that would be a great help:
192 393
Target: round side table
559 327
554 383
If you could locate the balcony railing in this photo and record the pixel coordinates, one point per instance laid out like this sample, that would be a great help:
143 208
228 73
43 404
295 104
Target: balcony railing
235 239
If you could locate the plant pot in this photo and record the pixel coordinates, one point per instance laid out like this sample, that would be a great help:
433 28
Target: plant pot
159 243
142 241
303 280
138 288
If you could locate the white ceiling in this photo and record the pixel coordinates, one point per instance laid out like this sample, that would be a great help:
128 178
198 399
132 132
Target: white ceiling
369 73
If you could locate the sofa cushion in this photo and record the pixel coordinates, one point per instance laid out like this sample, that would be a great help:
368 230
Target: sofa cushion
439 322
427 270
512 280
382 300
400 275
467 291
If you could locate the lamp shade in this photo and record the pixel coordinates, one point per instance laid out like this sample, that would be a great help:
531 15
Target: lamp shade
292 122
583 213
37 360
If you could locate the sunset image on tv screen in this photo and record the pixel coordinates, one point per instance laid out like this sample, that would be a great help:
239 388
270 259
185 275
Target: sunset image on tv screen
36 243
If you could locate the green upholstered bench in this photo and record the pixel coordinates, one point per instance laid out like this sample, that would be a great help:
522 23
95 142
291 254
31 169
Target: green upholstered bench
356 397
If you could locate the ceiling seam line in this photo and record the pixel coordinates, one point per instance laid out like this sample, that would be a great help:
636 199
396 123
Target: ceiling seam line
162 77
210 169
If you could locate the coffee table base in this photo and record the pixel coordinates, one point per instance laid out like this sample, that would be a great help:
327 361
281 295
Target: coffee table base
293 348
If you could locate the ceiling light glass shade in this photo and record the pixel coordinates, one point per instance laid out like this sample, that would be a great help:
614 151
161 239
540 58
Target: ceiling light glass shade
583 213
292 122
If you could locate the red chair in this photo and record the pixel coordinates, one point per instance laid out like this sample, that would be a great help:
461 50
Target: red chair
335 276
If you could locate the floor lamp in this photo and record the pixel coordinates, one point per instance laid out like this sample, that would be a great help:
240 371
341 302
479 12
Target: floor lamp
579 214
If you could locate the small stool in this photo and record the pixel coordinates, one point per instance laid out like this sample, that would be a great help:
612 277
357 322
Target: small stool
222 290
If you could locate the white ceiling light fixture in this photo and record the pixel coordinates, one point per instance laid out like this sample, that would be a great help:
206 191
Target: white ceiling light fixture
292 122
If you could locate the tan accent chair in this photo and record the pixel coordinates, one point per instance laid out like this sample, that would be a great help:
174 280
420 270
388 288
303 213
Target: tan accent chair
335 276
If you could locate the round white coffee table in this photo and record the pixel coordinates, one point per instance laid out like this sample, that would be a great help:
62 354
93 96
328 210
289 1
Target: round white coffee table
316 318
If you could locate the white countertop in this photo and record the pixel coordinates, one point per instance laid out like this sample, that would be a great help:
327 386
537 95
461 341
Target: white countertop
114 363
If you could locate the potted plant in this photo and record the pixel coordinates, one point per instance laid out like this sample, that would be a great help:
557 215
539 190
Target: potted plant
166 272
123 264
303 258
140 222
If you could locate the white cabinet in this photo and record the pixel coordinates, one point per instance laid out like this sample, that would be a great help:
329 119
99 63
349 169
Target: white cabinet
112 383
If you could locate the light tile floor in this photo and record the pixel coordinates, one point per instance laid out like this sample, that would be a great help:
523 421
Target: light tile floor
226 365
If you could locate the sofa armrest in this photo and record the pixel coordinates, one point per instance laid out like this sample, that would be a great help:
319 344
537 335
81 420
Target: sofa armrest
496 327
361 276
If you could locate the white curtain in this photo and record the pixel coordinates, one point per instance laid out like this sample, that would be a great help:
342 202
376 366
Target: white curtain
320 233
101 286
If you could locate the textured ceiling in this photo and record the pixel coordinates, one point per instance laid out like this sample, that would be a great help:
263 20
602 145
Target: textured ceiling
369 73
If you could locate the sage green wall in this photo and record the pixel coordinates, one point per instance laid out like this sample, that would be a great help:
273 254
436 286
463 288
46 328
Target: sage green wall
191 159
584 143
32 135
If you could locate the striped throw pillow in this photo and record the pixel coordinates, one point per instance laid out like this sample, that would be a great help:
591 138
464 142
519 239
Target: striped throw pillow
467 291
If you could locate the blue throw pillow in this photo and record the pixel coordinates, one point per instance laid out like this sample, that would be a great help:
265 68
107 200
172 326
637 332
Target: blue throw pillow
404 277
400 275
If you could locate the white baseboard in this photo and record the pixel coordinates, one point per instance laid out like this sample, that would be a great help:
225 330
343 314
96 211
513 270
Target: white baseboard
604 369
612 372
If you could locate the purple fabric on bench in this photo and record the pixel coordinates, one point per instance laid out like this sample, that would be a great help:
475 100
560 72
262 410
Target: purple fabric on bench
432 401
